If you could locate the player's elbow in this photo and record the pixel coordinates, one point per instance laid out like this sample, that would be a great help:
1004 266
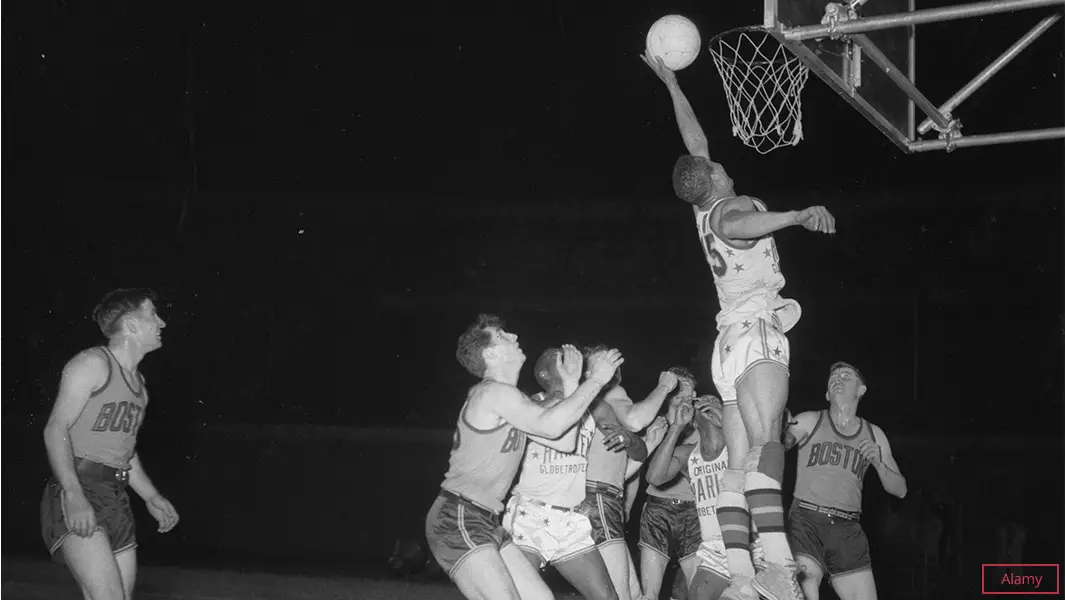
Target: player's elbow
900 489
655 478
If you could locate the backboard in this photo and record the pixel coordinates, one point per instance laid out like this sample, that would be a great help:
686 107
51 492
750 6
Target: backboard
866 51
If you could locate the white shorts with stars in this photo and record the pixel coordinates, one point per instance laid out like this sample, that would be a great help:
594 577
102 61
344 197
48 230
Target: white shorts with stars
743 345
552 534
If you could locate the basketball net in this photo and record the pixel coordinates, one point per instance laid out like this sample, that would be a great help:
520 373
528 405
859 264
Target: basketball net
763 84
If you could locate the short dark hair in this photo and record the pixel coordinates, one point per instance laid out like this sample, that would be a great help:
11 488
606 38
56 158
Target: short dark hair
839 364
116 304
692 178
470 348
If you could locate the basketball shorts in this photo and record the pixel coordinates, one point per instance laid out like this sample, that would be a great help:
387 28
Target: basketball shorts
839 545
554 534
670 527
712 557
604 505
107 496
456 527
743 345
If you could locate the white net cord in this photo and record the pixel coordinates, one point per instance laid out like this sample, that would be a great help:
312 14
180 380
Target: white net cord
763 84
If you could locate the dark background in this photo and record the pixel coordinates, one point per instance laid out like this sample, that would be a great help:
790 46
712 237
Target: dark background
326 196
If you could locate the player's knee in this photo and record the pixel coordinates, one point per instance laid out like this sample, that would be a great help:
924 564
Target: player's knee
809 570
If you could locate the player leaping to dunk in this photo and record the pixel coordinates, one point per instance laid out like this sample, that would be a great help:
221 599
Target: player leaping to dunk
750 360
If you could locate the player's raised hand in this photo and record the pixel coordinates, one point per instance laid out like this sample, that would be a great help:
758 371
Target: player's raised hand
569 363
659 67
603 364
667 381
710 407
817 218
656 431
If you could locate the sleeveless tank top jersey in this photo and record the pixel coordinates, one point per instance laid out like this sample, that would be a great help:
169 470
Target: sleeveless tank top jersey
483 462
555 477
106 430
749 280
705 478
605 466
831 469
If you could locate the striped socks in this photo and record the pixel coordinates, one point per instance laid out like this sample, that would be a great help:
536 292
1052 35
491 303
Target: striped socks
735 523
764 468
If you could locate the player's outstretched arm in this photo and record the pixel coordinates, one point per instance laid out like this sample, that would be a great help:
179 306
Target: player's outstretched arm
739 219
639 415
690 130
879 454
552 421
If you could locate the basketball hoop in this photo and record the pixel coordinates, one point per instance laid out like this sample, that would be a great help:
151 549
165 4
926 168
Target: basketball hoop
763 84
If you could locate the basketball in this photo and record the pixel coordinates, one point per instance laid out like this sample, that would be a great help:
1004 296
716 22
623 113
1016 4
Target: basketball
676 40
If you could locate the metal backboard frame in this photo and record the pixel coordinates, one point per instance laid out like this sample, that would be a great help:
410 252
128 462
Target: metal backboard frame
845 25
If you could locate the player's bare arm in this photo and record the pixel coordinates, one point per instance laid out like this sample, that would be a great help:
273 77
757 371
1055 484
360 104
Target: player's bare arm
665 465
82 374
551 422
159 507
738 219
879 454
690 130
639 415
615 436
797 429
654 435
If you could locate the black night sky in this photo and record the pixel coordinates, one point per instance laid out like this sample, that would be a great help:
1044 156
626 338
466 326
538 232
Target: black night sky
326 193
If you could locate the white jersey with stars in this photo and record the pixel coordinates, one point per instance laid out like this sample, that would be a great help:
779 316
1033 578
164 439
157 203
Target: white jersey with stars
748 280
555 477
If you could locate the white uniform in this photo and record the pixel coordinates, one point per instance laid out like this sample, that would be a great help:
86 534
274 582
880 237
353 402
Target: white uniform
753 317
705 479
541 514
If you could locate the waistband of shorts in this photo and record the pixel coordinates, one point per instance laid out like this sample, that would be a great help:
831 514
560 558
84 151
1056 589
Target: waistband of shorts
829 511
598 487
100 472
673 501
465 500
542 504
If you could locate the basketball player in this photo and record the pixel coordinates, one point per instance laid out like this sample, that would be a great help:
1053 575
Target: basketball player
751 353
91 439
604 497
702 465
669 521
835 450
463 526
544 514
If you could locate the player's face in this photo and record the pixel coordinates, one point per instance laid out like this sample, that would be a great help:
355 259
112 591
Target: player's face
149 326
843 384
686 387
506 345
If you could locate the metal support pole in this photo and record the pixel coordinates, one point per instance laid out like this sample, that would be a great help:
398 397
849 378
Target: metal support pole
901 80
917 17
993 68
969 141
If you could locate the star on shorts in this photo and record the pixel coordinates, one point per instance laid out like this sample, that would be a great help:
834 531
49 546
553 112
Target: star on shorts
728 349
521 511
738 267
768 253
777 351
729 252
547 521
746 324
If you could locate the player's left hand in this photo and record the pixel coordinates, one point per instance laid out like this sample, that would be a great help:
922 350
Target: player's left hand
870 451
615 439
710 407
657 65
163 511
817 218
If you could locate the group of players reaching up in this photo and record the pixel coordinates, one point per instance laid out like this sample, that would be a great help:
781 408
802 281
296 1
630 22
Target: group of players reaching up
717 464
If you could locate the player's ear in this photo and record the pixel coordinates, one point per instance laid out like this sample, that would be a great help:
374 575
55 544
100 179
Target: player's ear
861 391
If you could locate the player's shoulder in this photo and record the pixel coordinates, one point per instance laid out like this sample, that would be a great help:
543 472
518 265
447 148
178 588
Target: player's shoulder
878 433
742 202
89 363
